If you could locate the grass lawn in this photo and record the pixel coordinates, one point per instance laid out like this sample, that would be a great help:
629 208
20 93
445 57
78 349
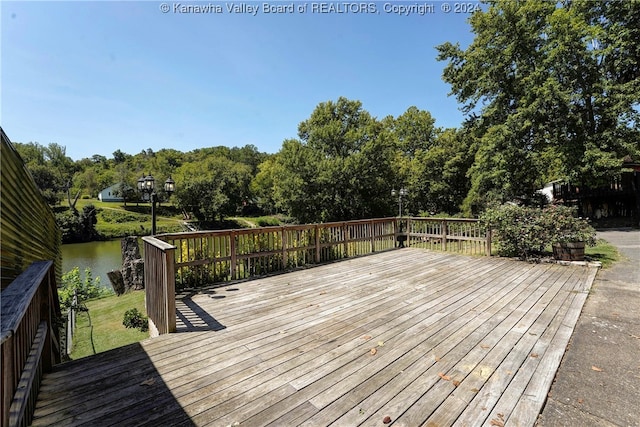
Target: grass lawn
604 252
101 329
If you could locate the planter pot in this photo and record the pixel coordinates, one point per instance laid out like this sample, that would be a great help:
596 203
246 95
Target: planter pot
570 251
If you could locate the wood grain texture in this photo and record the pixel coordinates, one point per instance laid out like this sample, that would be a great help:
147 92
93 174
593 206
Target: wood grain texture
426 338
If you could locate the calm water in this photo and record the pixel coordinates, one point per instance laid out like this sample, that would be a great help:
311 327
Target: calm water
100 257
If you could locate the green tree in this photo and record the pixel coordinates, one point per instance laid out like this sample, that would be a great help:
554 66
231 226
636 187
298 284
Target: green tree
548 80
212 188
439 174
414 134
84 288
339 169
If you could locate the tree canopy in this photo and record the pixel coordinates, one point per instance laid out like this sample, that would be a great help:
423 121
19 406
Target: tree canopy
553 89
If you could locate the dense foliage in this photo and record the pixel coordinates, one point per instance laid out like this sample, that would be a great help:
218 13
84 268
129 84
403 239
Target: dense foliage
134 319
78 226
553 92
84 288
526 231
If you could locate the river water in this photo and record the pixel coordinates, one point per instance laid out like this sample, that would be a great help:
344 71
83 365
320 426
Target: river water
100 257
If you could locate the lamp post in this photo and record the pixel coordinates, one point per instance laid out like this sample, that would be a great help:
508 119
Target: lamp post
400 193
146 186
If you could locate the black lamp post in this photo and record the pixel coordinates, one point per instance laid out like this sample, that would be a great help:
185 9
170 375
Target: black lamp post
400 193
146 186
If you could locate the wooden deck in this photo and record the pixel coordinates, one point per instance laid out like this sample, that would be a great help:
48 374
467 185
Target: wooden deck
425 338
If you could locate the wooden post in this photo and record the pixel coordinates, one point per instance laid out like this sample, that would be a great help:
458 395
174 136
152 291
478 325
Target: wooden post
444 235
9 381
489 240
317 228
345 234
283 231
169 282
232 249
372 233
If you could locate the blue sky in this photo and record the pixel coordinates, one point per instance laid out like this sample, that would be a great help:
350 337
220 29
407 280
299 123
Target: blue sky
97 76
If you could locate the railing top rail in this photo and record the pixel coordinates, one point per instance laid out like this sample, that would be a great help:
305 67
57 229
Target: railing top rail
426 218
18 295
208 233
160 244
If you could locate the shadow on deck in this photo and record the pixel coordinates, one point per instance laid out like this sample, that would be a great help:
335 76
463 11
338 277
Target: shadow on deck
420 337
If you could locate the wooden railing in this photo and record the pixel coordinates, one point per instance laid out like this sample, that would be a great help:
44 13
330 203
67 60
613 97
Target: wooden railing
208 257
159 277
199 259
30 339
458 235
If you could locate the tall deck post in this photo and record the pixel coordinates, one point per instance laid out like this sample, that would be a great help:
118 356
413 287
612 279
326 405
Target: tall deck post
317 229
283 231
160 285
232 267
345 235
444 234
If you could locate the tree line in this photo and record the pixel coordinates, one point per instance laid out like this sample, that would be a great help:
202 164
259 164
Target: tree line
551 90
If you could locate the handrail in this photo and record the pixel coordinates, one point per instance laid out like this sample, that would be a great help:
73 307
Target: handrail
30 339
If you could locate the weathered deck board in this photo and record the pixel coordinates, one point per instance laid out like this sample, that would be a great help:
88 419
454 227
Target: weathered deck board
458 340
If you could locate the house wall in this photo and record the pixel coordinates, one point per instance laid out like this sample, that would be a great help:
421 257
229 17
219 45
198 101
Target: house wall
28 229
107 195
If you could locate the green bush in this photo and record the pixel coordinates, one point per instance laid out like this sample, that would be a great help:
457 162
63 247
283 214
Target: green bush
525 231
85 289
135 320
267 221
119 217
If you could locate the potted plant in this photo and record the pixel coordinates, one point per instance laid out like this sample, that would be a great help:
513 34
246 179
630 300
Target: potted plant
568 233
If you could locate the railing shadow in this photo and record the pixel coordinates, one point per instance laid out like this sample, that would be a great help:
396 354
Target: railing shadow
192 317
117 387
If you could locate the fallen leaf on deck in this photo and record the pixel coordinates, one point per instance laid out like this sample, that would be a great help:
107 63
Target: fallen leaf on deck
485 346
533 355
581 401
387 419
531 333
497 423
366 337
475 390
373 351
150 381
456 383
443 376
436 358
380 343
595 368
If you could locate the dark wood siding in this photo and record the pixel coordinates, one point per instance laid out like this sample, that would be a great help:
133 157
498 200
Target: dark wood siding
28 230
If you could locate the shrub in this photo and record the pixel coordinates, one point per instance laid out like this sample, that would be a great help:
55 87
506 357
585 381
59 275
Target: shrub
134 319
525 231
267 221
517 231
86 289
563 226
119 217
